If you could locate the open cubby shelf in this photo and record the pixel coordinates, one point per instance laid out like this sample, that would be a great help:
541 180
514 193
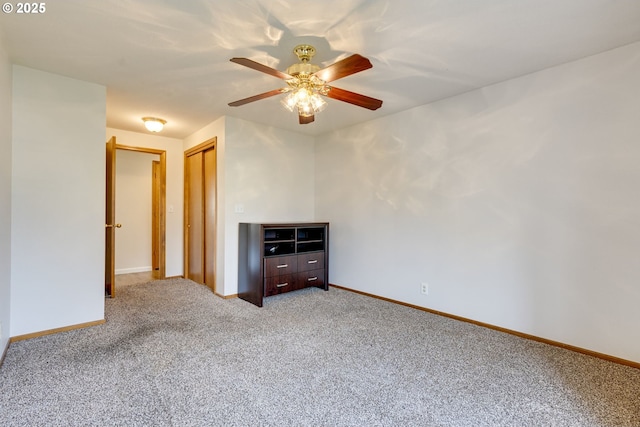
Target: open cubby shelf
287 241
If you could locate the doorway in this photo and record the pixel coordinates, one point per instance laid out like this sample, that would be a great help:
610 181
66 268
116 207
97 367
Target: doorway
158 210
137 210
200 213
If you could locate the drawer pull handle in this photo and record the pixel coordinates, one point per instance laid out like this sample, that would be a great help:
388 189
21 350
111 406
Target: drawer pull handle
281 285
313 261
282 266
311 279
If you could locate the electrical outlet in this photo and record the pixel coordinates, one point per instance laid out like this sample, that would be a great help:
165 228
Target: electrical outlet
424 288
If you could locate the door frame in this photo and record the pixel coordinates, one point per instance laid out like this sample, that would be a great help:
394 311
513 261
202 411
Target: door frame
202 147
109 222
162 204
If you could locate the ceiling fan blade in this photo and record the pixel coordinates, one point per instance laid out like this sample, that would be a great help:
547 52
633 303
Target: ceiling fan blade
346 67
258 97
305 120
354 98
262 68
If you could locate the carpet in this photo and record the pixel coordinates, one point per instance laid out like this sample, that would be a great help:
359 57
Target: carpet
173 354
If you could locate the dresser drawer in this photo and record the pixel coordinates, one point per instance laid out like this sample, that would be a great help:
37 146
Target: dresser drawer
276 266
311 261
279 284
310 278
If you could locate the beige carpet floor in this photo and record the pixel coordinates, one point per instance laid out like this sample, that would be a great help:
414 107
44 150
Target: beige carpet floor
173 354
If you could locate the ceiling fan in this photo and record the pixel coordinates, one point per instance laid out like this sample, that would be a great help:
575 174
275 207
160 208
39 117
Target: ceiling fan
307 83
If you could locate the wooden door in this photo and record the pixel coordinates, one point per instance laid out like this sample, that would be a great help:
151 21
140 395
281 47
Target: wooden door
109 259
155 215
195 217
209 188
200 213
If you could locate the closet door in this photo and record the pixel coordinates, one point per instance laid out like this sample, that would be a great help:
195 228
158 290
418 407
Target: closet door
200 213
195 217
209 187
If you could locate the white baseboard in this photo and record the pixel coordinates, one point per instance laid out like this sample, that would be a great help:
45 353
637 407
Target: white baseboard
133 270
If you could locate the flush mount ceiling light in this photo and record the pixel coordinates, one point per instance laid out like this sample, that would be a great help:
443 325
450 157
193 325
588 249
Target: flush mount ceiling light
153 124
307 83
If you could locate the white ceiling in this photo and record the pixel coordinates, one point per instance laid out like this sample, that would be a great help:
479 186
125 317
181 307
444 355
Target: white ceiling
170 58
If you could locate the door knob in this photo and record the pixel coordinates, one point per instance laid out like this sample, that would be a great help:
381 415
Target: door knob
111 225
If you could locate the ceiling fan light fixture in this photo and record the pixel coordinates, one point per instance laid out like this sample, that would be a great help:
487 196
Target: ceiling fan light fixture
154 124
306 101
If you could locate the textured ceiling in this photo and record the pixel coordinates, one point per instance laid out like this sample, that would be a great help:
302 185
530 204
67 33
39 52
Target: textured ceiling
170 58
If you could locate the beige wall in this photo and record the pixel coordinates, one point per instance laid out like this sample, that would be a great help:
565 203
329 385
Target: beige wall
57 218
517 203
5 195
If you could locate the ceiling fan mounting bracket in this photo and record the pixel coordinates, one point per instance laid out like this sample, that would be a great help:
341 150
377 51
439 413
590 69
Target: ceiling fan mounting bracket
304 52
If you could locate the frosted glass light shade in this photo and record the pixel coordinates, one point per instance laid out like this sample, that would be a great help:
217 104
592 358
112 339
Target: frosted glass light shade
153 124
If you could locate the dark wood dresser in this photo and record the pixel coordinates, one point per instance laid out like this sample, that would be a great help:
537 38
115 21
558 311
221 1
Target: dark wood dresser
278 258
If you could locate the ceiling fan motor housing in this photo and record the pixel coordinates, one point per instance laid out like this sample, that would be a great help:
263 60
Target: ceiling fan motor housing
302 68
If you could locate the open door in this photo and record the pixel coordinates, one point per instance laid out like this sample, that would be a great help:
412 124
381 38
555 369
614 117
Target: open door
110 228
156 233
